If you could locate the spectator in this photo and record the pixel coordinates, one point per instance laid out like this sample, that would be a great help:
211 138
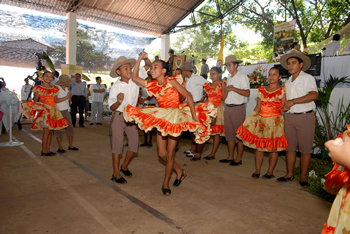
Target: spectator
333 47
98 92
79 94
204 69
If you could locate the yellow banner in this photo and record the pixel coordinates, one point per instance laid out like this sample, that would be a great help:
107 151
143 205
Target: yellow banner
221 54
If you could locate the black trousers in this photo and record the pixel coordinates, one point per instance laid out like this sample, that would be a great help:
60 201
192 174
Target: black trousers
77 102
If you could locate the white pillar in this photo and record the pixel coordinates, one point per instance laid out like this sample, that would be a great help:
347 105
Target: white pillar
165 43
71 39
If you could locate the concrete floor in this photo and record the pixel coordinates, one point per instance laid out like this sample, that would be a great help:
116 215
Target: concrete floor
73 193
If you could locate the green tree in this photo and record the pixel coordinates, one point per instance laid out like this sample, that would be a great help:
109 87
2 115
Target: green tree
89 55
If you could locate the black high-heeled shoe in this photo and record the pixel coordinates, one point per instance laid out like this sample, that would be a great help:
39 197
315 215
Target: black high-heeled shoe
46 154
256 176
166 191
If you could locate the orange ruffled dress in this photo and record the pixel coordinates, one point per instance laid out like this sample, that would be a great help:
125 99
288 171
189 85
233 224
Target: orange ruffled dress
44 114
171 117
264 131
215 97
338 183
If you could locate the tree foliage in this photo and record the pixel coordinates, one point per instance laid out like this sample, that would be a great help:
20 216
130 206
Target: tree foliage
92 50
316 20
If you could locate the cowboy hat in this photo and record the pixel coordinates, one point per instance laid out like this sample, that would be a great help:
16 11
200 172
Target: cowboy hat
294 53
63 80
187 66
231 59
121 61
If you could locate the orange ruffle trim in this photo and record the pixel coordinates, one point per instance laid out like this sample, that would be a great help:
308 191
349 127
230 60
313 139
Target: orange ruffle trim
269 96
327 230
262 144
211 90
339 175
217 129
153 89
147 122
46 91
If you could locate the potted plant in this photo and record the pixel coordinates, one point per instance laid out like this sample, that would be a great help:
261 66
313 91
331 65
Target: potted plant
329 124
257 78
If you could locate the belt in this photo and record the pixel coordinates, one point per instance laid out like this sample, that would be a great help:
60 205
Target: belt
305 112
78 96
234 105
118 112
197 102
150 104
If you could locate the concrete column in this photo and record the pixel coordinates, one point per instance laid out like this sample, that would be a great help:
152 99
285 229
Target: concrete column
165 44
71 39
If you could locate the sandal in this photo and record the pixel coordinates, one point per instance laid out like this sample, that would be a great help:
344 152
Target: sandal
304 184
143 144
266 176
61 151
209 158
126 172
195 159
177 182
74 148
285 179
121 180
166 191
256 176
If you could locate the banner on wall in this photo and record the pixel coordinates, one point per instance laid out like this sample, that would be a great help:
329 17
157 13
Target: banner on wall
178 61
284 35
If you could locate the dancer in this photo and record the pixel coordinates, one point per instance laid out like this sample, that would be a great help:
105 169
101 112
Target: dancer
338 183
123 92
299 125
213 92
63 99
47 116
235 93
263 129
170 118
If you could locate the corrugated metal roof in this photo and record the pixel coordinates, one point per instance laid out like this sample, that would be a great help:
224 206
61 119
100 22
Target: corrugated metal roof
153 17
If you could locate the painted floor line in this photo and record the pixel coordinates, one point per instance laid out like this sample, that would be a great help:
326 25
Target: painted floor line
84 203
133 199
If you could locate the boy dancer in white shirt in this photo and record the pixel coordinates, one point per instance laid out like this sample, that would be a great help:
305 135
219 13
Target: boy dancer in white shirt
123 92
235 93
299 121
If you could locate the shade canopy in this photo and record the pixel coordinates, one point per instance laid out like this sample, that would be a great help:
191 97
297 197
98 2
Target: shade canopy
153 17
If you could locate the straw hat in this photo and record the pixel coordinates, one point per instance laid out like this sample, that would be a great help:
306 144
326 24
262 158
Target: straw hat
63 80
294 53
186 66
231 59
121 61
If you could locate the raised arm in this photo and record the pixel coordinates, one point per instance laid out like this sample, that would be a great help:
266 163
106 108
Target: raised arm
188 96
135 74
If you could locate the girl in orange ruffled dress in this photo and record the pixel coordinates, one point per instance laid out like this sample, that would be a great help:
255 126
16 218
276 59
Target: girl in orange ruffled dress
44 111
263 130
213 92
338 183
171 118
